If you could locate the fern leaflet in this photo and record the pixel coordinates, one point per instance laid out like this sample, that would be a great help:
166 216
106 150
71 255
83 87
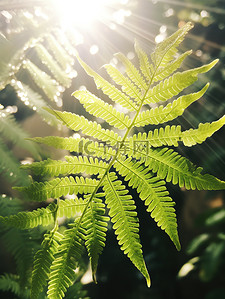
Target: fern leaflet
58 187
72 165
171 135
78 145
126 225
171 111
145 66
173 85
62 274
95 228
42 262
69 208
110 90
52 65
103 110
174 168
91 128
166 50
154 193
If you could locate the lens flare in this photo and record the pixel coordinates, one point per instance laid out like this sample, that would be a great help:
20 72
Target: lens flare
82 13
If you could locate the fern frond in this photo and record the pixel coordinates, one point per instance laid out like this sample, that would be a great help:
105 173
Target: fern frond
132 72
10 282
145 66
25 220
35 101
175 84
154 193
166 50
110 90
171 135
10 167
9 206
69 208
12 131
58 51
59 187
72 165
123 215
127 86
171 111
62 274
91 128
194 136
42 262
52 65
42 79
95 227
174 168
99 108
21 245
78 145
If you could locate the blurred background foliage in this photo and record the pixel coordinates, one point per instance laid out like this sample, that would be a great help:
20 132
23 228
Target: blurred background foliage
38 69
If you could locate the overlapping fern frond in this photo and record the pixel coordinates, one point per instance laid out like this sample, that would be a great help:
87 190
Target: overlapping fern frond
42 262
141 159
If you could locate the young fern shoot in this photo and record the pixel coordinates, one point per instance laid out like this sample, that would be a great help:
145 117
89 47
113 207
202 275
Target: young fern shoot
104 154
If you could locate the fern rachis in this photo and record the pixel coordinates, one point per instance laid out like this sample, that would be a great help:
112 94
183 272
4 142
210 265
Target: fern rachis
148 175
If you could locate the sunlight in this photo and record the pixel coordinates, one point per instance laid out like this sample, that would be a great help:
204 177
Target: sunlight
82 13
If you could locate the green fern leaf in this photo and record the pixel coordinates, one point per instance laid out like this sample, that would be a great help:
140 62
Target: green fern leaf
127 86
132 72
166 50
145 66
171 111
78 145
126 225
62 271
72 165
171 135
52 65
99 108
10 282
9 206
162 73
91 128
35 101
58 51
21 245
25 220
175 84
95 226
110 90
154 193
12 131
192 137
149 175
10 167
174 168
58 187
42 262
45 216
43 80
